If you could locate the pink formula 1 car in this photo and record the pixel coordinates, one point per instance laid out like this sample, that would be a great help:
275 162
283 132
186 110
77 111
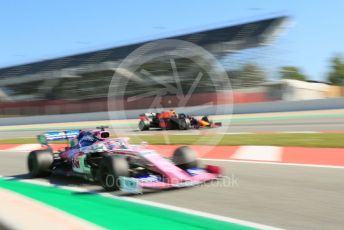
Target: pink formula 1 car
116 164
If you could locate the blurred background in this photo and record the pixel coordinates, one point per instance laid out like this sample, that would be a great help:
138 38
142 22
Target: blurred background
61 60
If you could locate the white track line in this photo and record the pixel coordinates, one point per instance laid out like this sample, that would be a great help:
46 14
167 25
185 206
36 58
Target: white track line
275 163
155 204
199 213
297 132
237 133
258 153
184 134
25 147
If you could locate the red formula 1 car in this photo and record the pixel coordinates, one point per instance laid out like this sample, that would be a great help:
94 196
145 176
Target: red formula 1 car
116 164
172 120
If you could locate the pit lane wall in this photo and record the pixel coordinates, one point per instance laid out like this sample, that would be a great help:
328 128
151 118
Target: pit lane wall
249 108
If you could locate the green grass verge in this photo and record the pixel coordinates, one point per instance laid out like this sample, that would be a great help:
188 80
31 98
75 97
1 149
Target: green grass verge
333 140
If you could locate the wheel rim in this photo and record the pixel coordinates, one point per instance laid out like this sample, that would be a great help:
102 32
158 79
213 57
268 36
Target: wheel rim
141 125
107 179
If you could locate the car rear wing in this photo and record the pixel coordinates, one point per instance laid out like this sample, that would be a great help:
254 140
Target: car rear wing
45 138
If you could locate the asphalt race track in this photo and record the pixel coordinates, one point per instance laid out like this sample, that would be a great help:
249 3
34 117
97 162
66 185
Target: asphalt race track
293 197
332 124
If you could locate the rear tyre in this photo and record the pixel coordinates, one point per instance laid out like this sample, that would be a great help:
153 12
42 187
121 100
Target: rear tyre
184 124
39 163
144 125
185 158
110 169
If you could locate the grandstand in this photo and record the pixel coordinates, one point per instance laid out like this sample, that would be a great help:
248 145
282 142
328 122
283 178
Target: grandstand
79 83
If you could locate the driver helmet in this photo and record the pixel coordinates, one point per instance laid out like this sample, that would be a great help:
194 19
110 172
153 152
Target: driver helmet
87 139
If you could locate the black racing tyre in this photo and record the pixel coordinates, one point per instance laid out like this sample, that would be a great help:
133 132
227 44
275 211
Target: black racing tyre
39 163
184 124
110 169
144 125
185 158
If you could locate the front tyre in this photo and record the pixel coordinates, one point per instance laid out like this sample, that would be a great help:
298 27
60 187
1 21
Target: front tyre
144 125
39 163
110 169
